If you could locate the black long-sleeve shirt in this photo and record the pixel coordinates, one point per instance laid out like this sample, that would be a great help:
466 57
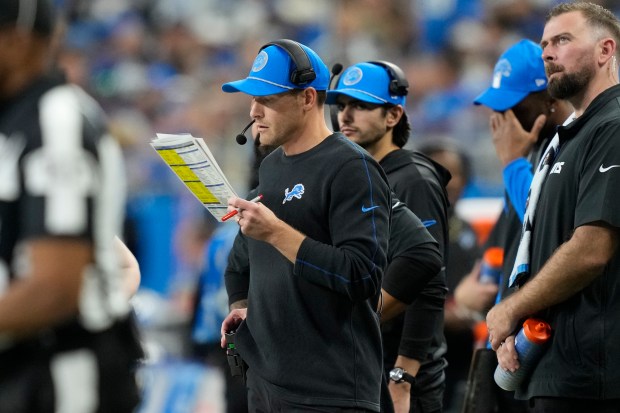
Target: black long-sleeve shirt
420 183
316 318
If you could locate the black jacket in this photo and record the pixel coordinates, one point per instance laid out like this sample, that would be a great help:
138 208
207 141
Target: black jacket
420 183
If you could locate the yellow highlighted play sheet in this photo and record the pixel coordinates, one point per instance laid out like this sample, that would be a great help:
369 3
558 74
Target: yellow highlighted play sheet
193 163
202 193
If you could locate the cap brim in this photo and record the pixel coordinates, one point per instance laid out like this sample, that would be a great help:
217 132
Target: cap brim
332 96
253 87
500 100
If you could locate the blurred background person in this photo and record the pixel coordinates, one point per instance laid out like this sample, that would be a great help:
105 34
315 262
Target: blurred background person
464 251
67 339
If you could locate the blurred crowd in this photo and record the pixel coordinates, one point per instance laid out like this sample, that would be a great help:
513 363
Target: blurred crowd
156 66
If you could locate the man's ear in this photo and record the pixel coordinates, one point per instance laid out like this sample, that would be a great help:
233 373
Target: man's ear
551 104
607 50
310 97
393 115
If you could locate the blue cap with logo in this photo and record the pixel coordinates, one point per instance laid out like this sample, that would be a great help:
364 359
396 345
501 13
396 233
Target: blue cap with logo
368 82
271 73
518 72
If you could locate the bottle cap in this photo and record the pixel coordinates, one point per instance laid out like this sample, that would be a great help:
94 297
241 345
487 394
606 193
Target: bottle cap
481 332
537 331
494 256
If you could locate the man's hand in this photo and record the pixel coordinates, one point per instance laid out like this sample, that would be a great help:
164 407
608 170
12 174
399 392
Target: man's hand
511 141
474 295
259 222
501 322
231 322
573 266
255 219
507 357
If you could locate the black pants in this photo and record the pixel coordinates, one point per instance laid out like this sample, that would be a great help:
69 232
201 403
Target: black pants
568 405
261 400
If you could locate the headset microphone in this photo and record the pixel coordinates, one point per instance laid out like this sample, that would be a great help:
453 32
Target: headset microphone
241 138
336 69
333 109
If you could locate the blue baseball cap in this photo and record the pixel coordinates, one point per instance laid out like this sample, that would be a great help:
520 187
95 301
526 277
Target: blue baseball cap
271 73
368 82
518 72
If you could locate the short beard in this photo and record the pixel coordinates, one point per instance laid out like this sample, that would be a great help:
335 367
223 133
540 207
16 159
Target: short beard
371 143
570 84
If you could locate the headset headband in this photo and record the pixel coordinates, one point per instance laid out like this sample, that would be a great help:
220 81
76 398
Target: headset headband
399 85
304 72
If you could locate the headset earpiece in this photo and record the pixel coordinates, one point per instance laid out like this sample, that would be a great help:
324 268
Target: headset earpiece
304 72
399 85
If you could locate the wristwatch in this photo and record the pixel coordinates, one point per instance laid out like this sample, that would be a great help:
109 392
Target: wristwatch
399 375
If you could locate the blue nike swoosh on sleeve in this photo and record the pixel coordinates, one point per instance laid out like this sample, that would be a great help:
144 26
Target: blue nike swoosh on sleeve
364 209
429 223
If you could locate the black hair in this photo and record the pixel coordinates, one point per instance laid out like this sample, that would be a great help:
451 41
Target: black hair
402 130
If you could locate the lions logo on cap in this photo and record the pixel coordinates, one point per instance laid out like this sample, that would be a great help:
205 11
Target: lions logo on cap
352 76
260 62
503 68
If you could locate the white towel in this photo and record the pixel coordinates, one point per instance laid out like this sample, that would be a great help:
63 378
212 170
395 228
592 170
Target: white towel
521 266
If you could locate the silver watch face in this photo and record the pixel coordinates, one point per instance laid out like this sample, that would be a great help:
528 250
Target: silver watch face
396 374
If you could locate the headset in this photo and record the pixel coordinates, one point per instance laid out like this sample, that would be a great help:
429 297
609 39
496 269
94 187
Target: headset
399 85
304 72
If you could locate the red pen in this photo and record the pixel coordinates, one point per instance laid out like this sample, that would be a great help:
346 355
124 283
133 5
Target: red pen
236 211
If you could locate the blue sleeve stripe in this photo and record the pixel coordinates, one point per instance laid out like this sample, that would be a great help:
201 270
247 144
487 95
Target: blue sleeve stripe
331 274
371 203
429 223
